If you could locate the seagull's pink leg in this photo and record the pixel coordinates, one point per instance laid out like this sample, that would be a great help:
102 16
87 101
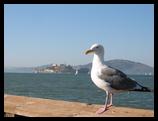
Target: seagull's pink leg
109 105
104 108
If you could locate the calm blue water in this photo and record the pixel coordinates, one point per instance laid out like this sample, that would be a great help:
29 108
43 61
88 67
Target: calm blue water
78 88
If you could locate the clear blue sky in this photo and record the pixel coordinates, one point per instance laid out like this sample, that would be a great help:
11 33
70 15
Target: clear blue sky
42 34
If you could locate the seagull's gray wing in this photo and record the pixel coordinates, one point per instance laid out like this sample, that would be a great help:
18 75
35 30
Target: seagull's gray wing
117 79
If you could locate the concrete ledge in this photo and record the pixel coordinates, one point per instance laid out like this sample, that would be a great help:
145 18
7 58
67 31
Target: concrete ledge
38 107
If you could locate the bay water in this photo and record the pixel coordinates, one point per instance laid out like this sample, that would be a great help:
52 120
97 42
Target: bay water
77 88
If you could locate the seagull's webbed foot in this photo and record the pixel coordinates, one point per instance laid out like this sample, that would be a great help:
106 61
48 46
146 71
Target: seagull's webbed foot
109 105
101 110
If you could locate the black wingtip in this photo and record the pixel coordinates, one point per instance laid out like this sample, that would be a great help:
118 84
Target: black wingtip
143 89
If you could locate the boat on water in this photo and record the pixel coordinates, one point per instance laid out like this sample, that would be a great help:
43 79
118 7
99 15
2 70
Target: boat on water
76 72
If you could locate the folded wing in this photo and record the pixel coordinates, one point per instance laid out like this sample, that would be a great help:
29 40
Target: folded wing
117 79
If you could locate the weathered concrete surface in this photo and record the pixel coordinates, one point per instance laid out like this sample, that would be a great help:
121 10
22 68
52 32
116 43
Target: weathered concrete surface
38 107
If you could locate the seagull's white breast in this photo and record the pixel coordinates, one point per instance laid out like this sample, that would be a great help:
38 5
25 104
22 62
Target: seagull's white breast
99 82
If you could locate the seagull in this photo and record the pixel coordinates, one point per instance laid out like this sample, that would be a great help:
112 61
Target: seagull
109 79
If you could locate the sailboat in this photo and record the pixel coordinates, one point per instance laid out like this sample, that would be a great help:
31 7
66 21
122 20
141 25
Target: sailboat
76 72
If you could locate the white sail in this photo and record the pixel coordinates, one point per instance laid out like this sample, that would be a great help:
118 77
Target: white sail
76 72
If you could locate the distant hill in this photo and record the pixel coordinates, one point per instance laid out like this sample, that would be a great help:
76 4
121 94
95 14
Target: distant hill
126 66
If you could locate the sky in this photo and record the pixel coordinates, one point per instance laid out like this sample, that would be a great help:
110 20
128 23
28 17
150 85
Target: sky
39 34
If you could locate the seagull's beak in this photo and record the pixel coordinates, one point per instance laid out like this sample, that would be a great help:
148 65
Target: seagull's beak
89 51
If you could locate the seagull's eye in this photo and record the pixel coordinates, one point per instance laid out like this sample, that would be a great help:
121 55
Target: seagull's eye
97 47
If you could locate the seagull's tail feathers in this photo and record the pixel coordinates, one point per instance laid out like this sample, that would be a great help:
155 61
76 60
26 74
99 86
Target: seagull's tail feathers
141 88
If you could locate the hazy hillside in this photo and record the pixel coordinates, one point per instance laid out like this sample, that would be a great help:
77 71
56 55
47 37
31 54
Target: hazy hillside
128 67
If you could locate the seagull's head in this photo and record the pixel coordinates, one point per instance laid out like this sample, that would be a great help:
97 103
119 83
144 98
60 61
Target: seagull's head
96 49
